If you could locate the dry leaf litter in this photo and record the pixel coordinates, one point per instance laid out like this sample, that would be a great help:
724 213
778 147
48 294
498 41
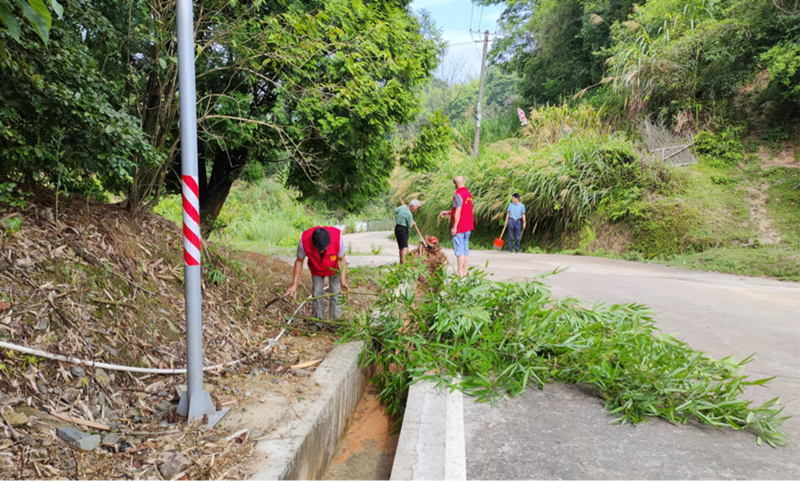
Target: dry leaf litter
88 280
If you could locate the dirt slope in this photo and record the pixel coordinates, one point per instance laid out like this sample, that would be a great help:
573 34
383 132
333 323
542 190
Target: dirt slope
87 280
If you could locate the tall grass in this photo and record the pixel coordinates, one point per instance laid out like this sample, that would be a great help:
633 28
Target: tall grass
563 166
493 129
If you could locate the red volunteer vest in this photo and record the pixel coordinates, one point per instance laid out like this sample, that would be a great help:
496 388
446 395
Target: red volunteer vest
322 267
465 222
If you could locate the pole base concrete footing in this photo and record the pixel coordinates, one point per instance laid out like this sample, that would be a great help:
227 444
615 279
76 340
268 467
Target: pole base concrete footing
200 406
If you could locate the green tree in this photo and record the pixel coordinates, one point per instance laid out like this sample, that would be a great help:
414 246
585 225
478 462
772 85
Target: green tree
34 11
59 119
555 46
433 142
319 84
375 77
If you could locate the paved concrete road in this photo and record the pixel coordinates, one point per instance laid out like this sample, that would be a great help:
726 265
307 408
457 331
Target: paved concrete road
562 432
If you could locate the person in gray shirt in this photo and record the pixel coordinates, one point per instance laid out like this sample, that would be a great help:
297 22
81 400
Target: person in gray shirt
405 221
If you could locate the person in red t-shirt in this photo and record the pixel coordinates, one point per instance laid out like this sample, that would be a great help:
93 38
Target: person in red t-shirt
461 223
324 248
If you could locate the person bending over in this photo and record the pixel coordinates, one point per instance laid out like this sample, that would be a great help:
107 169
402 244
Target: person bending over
324 248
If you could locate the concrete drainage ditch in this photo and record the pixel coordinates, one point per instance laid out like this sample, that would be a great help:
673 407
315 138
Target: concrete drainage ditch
304 447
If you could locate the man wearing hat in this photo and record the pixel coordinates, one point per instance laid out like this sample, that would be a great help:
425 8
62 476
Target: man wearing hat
324 248
405 221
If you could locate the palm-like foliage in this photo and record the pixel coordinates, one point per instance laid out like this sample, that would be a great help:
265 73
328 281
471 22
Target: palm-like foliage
576 165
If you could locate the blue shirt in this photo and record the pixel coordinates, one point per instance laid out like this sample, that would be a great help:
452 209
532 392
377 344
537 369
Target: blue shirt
516 210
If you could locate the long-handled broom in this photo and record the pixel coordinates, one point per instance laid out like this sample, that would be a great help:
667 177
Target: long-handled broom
498 243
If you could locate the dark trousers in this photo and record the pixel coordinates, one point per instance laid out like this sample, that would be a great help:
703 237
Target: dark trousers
514 231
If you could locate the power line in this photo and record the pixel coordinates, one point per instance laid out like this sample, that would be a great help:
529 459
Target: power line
479 18
471 15
464 43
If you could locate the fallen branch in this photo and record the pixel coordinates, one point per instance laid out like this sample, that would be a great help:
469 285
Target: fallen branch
237 434
303 365
82 422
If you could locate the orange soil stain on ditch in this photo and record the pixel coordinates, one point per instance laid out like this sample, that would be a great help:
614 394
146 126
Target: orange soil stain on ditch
368 448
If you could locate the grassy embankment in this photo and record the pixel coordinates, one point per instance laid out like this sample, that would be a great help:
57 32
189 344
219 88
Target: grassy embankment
596 192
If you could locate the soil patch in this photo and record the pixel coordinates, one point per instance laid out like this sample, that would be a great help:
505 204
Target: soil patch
784 157
368 449
759 215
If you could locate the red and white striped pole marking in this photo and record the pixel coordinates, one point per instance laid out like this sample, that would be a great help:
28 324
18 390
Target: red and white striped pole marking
191 221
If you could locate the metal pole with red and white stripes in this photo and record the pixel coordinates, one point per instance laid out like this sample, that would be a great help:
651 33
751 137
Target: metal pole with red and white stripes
194 403
191 220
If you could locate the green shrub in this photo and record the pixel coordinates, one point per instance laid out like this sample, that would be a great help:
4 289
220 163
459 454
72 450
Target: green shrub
720 149
663 229
252 172
724 179
432 144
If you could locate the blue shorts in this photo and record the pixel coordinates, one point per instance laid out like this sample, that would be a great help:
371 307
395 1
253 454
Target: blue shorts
461 244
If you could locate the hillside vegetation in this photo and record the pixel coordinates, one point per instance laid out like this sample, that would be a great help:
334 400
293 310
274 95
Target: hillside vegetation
86 279
593 190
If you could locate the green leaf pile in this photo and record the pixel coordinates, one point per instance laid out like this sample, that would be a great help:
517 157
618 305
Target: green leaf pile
500 337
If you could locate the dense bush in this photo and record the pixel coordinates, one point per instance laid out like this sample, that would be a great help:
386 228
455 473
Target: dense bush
433 143
720 149
561 183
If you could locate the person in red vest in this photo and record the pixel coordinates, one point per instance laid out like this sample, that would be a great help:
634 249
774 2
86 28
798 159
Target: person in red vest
461 223
324 248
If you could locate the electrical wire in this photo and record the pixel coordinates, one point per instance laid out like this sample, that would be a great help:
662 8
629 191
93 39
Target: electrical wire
470 16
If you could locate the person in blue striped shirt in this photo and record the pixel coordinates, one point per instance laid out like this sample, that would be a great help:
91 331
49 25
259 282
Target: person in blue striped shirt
515 222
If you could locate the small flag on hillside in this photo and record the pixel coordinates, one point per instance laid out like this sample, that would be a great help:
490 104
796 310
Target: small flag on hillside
522 119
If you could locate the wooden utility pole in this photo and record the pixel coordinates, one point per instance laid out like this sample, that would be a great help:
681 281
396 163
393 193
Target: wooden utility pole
480 95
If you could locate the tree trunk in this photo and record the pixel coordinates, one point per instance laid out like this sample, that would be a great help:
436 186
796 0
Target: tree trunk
214 191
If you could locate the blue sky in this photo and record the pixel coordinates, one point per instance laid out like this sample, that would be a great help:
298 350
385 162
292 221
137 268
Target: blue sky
453 17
